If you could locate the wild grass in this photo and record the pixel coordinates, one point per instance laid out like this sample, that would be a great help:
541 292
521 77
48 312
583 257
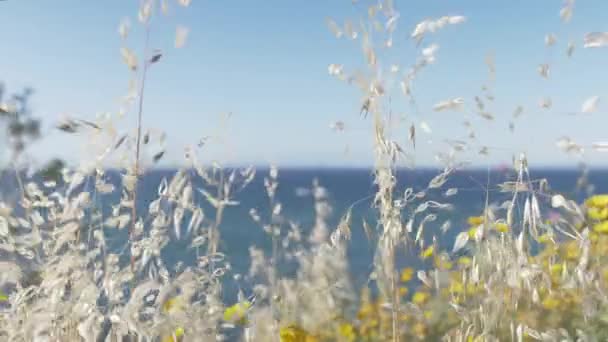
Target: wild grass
511 275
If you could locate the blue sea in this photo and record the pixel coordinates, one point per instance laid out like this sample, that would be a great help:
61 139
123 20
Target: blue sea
354 189
348 189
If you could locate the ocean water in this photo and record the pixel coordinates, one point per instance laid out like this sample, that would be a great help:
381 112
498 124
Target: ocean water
348 189
354 189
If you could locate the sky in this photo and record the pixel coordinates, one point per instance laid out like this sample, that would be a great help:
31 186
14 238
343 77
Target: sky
266 63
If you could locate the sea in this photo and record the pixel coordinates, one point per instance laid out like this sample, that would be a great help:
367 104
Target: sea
353 190
349 190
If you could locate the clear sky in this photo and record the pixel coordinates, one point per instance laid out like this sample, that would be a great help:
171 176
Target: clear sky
266 63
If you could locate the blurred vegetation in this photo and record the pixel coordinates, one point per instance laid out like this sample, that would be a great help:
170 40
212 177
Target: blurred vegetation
19 125
21 129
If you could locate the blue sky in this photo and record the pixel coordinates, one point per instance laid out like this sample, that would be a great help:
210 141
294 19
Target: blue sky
266 63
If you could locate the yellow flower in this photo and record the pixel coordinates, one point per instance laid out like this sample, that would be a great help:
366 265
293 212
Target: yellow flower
472 289
446 265
572 250
464 261
293 333
419 330
501 227
420 297
597 201
173 304
237 313
605 274
545 238
551 302
3 297
443 263
556 270
367 309
407 274
475 220
179 332
472 232
601 227
428 314
403 291
456 287
549 251
347 332
428 252
597 213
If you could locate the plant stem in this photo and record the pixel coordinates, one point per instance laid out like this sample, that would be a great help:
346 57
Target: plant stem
138 143
395 306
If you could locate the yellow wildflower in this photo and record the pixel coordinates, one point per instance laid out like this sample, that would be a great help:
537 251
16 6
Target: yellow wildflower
456 287
374 323
572 250
556 270
370 333
443 263
428 252
549 251
605 274
407 274
597 213
237 313
365 310
545 238
551 302
597 201
472 289
420 297
293 333
173 304
501 227
428 314
419 330
3 297
403 291
475 220
464 261
601 227
179 332
594 237
347 332
472 232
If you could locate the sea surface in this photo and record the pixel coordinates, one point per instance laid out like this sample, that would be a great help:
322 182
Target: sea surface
348 189
353 189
